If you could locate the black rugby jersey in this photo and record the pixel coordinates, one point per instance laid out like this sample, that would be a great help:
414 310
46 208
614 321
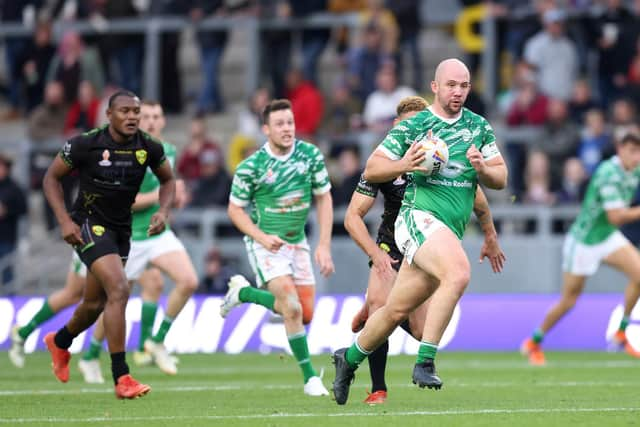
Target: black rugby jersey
393 193
110 173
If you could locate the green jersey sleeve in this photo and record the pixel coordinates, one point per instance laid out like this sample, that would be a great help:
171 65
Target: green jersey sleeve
399 139
489 148
612 195
243 184
320 183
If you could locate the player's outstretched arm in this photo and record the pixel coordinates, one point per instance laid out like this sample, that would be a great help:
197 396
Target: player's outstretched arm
324 208
243 222
358 207
491 173
166 196
490 248
380 168
55 196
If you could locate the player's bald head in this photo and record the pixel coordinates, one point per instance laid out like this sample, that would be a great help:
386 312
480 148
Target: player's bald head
452 69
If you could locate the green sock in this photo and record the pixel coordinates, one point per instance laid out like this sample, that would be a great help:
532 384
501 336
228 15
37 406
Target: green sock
426 351
257 296
300 349
624 323
94 350
164 328
537 336
355 355
147 317
45 313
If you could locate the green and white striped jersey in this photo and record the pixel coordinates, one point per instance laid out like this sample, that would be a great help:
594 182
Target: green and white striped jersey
611 187
278 189
448 195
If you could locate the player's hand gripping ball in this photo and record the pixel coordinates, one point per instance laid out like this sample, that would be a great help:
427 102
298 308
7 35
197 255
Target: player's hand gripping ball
436 155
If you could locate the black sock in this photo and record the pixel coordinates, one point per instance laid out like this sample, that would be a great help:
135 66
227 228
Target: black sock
119 366
378 366
63 338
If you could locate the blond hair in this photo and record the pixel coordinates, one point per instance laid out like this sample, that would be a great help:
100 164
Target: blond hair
411 104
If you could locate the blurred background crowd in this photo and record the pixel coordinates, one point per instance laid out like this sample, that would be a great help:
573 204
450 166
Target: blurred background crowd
566 76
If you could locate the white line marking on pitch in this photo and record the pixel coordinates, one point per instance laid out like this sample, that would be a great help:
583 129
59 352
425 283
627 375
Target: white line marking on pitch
248 386
312 415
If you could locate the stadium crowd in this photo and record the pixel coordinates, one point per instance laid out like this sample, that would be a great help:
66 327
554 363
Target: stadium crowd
569 70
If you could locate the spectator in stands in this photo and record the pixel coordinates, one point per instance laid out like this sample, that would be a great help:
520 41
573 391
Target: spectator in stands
212 44
581 101
212 188
34 64
341 35
380 106
14 11
537 180
126 50
554 56
249 116
523 105
613 35
407 16
216 274
83 112
376 14
190 163
560 138
74 63
364 61
306 103
170 76
276 45
46 121
313 40
574 183
623 117
350 172
342 114
13 205
632 87
595 143
529 106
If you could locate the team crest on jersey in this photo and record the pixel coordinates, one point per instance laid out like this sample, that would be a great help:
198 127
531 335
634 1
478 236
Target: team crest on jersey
270 177
141 156
301 167
98 230
105 159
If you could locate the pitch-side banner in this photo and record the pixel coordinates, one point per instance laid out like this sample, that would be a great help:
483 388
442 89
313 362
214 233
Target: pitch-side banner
480 322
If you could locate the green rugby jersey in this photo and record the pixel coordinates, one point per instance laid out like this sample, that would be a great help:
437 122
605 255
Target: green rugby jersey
278 189
610 187
140 219
448 195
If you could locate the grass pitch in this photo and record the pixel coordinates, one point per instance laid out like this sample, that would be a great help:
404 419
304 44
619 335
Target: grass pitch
492 389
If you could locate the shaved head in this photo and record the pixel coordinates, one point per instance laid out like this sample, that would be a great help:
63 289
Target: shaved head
451 86
451 66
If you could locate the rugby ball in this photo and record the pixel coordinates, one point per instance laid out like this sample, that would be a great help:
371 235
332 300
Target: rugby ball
436 155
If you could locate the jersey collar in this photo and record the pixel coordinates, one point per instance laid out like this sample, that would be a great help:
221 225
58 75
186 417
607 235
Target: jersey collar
283 157
447 120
